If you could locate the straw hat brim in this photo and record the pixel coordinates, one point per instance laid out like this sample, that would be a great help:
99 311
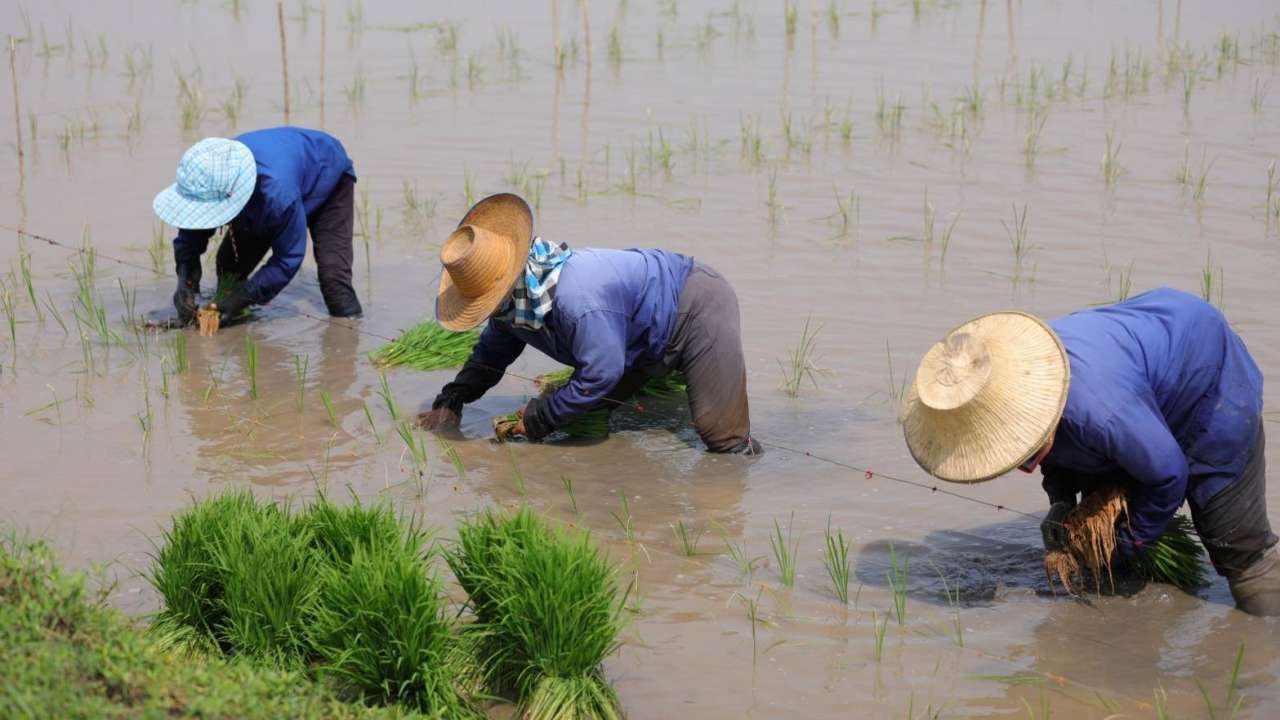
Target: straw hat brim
1010 417
509 217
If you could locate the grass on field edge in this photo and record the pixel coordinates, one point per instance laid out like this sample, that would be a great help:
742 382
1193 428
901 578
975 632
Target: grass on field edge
65 653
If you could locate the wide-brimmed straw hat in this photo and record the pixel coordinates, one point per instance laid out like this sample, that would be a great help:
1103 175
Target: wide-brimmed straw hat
987 397
216 177
482 260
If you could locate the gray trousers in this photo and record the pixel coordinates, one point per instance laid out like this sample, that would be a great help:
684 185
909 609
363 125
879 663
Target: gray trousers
705 345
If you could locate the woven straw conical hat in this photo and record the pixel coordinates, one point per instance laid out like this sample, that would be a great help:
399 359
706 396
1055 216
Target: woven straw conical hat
482 260
986 397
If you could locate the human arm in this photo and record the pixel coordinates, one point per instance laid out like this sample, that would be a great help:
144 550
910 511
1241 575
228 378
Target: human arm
1138 439
188 246
599 346
491 356
288 248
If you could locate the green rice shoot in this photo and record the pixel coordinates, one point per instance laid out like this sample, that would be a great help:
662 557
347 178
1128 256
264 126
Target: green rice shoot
427 346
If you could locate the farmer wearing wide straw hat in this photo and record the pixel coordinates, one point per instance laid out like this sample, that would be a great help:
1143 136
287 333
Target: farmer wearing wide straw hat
1155 394
269 187
617 317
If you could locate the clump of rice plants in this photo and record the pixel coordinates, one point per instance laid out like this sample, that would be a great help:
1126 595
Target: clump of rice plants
345 590
381 626
548 612
427 346
1091 544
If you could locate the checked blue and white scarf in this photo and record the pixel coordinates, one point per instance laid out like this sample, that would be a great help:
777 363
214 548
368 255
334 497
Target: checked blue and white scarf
531 298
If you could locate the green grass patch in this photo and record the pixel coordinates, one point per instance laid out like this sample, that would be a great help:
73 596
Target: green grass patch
427 346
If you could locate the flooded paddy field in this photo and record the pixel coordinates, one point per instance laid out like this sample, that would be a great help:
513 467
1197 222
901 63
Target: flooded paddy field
866 174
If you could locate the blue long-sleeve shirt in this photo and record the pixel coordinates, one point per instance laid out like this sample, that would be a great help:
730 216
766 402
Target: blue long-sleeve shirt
1162 391
297 171
612 310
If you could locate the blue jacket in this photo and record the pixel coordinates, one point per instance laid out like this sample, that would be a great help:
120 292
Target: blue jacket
297 171
1162 391
612 310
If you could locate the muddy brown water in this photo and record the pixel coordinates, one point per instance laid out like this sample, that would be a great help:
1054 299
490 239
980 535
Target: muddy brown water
589 140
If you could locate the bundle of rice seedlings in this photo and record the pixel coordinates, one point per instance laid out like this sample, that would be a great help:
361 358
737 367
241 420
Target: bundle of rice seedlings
548 613
1091 544
188 574
505 425
672 384
382 629
428 346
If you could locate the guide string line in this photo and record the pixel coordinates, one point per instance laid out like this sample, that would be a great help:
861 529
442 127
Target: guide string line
867 473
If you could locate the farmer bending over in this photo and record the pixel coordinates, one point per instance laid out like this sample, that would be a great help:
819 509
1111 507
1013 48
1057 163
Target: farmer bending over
1156 395
269 187
618 317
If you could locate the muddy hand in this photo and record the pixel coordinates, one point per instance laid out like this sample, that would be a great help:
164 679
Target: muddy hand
441 418
508 427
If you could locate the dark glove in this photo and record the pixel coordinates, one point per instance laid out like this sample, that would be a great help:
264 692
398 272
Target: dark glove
441 418
1053 529
231 309
184 299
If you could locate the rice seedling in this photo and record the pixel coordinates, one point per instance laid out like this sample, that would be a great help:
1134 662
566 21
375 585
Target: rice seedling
751 140
848 211
355 89
1211 288
1189 78
1031 139
373 426
615 47
946 239
1017 234
624 520
53 311
753 616
1111 160
836 560
878 632
952 594
10 314
1272 208
1231 704
1125 283
468 188
454 458
567 482
785 548
414 445
833 18
427 346
888 117
234 102
930 215
191 107
801 361
898 576
1259 96
179 346
791 12
327 401
388 398
1202 177
251 364
548 612
687 537
28 282
300 366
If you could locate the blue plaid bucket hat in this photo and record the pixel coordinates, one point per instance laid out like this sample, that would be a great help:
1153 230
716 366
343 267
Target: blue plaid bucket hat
215 179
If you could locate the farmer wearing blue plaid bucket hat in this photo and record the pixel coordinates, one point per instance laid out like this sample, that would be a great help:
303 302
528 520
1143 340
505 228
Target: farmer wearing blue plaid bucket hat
618 317
268 188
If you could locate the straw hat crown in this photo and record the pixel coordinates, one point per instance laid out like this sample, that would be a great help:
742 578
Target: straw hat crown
986 397
482 260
